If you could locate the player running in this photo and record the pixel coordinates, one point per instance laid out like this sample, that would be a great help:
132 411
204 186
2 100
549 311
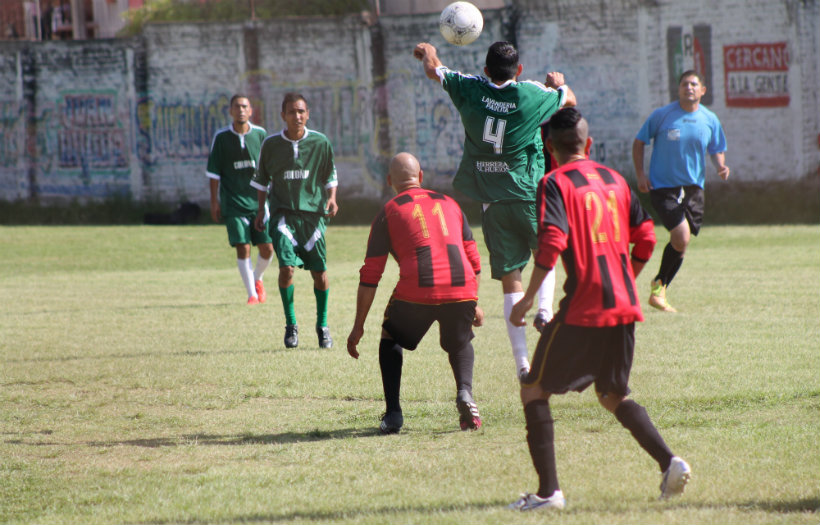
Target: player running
588 216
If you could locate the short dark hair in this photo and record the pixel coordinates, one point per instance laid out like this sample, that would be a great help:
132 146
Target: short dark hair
568 131
691 73
502 61
237 97
292 97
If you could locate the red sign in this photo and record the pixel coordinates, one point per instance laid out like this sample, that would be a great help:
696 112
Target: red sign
756 75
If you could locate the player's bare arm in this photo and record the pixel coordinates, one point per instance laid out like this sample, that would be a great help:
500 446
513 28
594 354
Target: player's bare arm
719 162
332 208
216 210
637 159
259 221
520 309
364 300
428 56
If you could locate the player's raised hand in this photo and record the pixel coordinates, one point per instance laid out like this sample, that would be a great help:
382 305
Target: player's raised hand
554 79
423 49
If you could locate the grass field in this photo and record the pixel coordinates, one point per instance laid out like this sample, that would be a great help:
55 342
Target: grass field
136 387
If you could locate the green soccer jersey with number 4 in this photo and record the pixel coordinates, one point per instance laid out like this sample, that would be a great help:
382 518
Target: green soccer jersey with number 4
232 161
299 172
503 156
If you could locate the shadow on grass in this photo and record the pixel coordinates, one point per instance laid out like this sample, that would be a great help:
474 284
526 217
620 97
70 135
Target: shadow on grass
188 440
386 513
243 439
784 507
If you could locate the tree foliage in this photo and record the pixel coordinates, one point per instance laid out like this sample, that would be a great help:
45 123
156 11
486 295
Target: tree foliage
234 10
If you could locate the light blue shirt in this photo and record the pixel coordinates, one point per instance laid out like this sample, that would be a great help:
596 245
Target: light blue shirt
680 143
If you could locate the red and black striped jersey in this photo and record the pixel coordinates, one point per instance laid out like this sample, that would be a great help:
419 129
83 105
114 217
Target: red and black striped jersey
589 216
428 235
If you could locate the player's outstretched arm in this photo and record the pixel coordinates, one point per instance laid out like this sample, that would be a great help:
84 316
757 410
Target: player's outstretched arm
428 56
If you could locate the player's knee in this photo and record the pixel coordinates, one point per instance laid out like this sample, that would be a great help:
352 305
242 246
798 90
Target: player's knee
530 393
610 401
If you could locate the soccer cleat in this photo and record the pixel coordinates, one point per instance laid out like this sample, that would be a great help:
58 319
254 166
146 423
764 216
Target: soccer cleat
253 300
534 501
523 372
675 478
260 291
325 341
291 336
391 422
468 417
542 318
657 297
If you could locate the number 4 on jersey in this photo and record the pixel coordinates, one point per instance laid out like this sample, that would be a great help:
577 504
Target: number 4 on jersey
494 136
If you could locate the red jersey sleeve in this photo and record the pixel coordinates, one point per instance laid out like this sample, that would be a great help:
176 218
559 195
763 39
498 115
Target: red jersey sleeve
641 231
378 248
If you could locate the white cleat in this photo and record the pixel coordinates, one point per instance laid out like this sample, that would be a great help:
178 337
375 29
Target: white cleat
675 478
535 502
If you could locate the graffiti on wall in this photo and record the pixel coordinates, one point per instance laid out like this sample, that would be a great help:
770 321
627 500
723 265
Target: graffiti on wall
90 135
11 117
689 48
756 75
179 130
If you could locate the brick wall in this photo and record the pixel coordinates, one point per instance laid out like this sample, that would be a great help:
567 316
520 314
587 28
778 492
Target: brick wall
90 119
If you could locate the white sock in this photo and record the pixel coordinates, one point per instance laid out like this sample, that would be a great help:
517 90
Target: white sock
261 266
517 334
546 294
246 272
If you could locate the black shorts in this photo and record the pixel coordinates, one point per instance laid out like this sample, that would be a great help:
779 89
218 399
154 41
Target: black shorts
408 322
571 357
673 205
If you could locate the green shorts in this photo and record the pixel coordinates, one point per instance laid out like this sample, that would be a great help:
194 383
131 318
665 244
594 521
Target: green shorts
510 233
241 231
299 240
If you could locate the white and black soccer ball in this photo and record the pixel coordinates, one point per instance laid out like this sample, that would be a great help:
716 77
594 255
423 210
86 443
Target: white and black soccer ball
461 23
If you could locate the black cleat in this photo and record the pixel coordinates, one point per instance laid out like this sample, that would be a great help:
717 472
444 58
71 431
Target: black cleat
391 422
291 336
325 341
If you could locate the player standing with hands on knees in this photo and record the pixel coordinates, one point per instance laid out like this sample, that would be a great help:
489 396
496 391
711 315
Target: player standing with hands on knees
297 174
231 166
430 238
502 163
682 134
588 216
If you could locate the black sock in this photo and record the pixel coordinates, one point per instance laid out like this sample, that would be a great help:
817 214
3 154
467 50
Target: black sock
670 264
541 440
635 419
462 364
390 361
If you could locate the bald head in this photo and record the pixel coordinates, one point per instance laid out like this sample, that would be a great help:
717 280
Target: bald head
404 172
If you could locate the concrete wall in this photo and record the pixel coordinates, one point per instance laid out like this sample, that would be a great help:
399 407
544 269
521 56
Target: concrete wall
92 119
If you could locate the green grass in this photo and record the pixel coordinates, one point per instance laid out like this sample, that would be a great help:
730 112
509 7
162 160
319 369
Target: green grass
135 386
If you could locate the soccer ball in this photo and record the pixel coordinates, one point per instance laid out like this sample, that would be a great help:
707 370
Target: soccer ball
460 23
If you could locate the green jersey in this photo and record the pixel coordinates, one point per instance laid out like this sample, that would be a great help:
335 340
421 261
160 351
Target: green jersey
299 172
232 161
503 156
